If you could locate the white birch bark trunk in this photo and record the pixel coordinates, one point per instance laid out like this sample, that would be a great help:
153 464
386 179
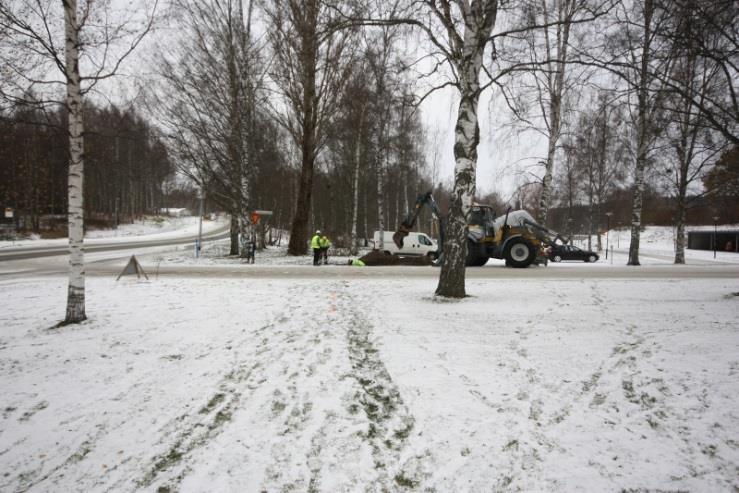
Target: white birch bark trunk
479 20
76 290
555 107
680 232
467 136
642 137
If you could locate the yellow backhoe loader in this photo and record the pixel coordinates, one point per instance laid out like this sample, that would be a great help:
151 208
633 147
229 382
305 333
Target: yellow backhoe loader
514 237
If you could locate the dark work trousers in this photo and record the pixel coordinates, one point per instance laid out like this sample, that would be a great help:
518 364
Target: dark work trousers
324 255
316 256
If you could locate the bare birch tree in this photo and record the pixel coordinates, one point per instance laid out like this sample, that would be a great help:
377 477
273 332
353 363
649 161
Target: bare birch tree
93 50
550 77
645 54
213 81
707 29
694 141
460 33
636 51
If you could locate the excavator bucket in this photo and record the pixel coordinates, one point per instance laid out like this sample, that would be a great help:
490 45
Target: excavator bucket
399 235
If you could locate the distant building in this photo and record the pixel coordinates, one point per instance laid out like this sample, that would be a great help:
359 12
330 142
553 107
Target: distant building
726 240
175 212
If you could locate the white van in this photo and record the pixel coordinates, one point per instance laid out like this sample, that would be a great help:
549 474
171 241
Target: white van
414 244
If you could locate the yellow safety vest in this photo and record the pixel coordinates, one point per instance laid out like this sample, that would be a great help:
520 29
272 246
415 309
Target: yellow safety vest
315 242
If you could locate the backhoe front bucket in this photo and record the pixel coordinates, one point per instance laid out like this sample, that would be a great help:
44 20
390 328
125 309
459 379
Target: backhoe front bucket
399 236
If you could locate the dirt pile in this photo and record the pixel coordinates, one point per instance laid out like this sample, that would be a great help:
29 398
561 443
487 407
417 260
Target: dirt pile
376 257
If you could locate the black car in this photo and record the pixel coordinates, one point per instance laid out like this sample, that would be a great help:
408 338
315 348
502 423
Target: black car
559 253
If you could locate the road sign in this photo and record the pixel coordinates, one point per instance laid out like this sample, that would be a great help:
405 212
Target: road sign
133 267
257 215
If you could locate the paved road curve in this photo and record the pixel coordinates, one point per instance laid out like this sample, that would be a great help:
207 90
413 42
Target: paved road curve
22 253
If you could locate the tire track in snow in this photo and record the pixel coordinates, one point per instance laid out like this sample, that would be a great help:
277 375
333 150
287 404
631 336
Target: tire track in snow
290 427
389 420
626 389
192 432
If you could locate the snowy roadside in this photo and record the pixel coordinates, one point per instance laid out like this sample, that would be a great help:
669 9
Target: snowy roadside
350 385
149 229
656 248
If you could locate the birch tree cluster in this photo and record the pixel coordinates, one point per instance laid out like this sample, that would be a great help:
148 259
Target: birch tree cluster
663 75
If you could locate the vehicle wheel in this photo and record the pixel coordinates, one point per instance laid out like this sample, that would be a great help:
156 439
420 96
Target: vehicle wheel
432 255
557 258
386 252
520 253
475 257
592 258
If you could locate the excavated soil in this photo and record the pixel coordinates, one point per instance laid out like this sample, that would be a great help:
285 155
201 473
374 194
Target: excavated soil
378 258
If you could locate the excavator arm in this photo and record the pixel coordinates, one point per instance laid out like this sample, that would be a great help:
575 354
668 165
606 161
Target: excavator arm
546 235
410 219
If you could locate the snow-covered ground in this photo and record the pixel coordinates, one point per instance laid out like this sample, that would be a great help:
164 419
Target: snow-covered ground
344 383
186 384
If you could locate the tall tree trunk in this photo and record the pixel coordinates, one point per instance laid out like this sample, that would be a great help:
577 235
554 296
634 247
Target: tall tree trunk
467 136
379 165
555 107
309 125
478 25
682 193
234 234
366 213
355 195
299 231
680 228
642 136
76 289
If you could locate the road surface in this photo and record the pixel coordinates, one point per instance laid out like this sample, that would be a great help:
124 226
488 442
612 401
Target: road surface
107 258
95 246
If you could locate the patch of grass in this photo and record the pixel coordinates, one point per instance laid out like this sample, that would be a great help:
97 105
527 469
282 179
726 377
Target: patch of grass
709 450
221 418
212 403
598 399
402 480
278 407
353 408
505 482
647 400
171 458
404 432
592 382
172 357
629 393
80 454
512 445
38 407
